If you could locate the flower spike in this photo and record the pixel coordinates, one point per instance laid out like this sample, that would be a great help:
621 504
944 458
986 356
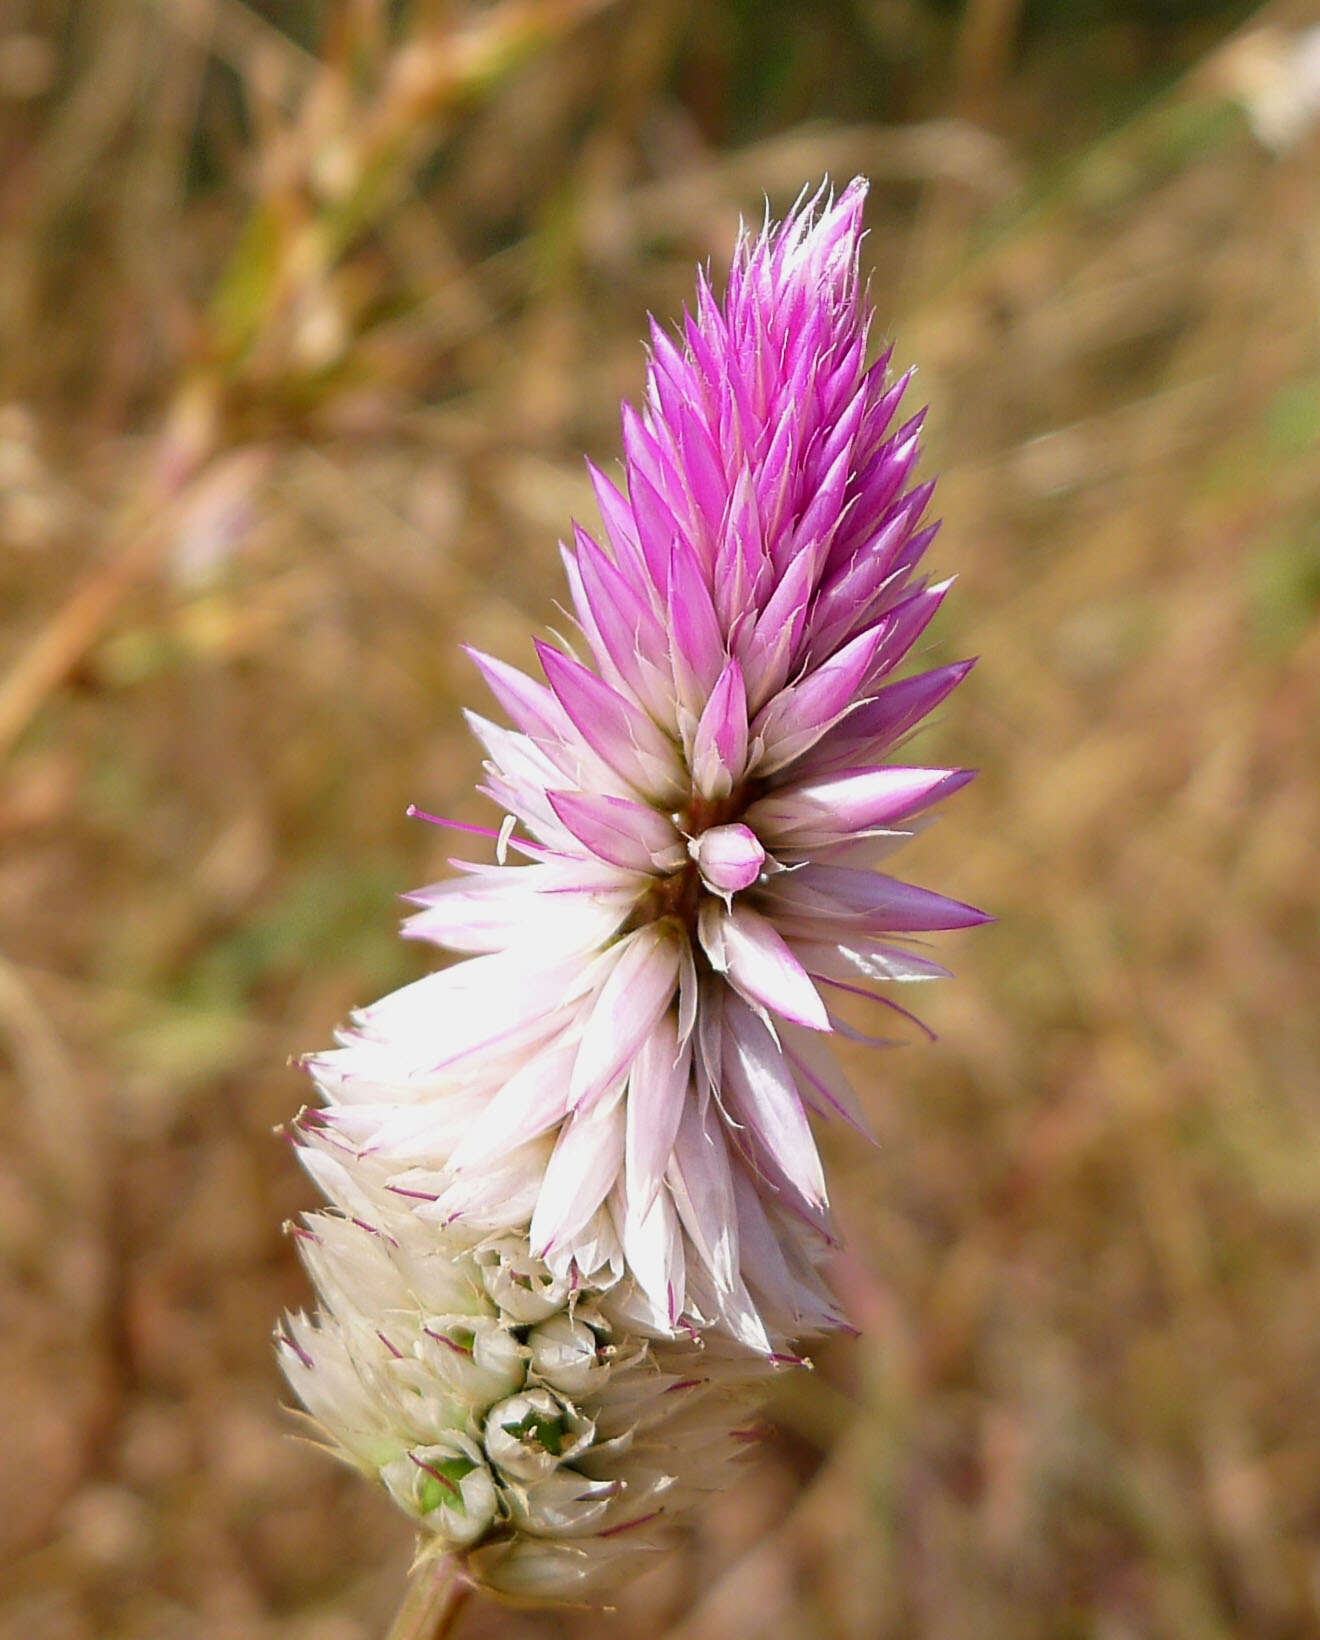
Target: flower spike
623 1068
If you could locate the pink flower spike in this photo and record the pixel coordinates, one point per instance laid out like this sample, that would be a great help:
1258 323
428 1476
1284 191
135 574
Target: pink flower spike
626 1054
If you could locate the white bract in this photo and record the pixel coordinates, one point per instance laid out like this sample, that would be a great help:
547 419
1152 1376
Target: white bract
526 1429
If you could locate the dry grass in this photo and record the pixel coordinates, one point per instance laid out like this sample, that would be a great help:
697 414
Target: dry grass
292 403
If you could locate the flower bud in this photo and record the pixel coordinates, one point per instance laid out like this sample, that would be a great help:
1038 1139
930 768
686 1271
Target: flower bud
729 858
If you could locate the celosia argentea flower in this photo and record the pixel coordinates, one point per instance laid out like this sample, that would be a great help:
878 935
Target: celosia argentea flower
625 1063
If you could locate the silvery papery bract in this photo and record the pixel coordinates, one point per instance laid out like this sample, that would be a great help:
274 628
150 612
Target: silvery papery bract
533 1433
626 1061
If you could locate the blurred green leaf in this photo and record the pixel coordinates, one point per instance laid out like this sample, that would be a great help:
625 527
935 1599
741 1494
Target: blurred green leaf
1292 423
1284 587
327 915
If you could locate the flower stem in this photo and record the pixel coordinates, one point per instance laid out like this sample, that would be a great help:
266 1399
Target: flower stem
436 1595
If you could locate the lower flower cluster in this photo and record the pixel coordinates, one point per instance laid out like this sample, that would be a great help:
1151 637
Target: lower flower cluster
537 1433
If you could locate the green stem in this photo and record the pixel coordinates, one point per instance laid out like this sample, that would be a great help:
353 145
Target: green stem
431 1606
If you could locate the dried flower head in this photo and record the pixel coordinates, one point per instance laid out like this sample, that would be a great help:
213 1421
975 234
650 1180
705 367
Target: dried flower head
626 1061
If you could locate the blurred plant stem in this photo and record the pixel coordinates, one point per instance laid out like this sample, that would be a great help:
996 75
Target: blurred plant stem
436 1596
986 39
279 331
328 176
187 444
985 42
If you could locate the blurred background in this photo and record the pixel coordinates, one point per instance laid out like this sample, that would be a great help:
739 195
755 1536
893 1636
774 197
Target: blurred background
309 312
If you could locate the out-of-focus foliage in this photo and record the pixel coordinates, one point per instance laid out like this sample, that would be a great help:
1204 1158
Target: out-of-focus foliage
309 311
